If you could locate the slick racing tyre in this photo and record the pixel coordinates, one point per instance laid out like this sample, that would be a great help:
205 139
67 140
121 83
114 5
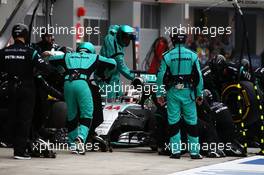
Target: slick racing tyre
243 97
58 114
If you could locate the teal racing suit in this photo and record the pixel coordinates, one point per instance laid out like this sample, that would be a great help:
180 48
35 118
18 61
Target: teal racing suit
181 95
111 49
79 66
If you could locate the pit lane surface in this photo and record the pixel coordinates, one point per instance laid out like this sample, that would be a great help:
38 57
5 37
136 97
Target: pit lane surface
128 161
248 166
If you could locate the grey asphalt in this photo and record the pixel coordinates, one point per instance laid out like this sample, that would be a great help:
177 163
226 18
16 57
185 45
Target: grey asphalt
125 161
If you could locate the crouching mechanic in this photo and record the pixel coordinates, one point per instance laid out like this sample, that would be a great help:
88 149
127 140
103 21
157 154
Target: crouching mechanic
181 68
117 39
79 67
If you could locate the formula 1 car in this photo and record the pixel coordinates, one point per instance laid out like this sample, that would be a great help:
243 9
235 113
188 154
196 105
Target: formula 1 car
129 122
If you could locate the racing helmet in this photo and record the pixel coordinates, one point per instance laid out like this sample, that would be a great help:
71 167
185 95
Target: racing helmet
20 30
46 33
218 63
178 37
245 63
86 47
124 34
219 59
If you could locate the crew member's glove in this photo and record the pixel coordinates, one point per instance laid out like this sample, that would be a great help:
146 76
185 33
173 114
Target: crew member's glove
161 101
46 54
199 100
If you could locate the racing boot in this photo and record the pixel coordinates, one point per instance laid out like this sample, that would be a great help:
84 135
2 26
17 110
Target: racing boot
24 156
49 154
163 151
41 149
196 156
236 150
80 148
103 144
215 154
175 156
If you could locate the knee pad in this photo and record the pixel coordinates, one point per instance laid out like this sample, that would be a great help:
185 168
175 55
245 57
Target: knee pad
192 130
174 129
71 125
86 122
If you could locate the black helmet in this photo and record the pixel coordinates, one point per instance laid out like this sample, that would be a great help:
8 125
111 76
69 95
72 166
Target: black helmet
217 64
245 63
178 37
219 59
20 30
45 33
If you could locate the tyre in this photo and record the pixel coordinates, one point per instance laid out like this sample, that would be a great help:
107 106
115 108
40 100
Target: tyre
248 102
58 115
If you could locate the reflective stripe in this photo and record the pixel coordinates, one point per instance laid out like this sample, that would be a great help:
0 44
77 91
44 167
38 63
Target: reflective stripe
34 54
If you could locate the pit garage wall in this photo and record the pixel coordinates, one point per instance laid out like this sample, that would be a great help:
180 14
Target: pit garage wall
260 33
94 10
97 10
147 37
171 15
6 10
64 15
